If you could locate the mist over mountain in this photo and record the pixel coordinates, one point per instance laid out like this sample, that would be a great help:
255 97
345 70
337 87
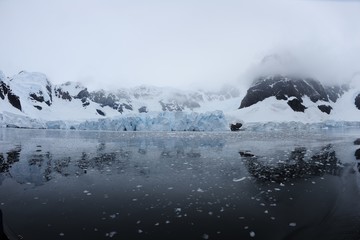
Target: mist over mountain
182 44
278 93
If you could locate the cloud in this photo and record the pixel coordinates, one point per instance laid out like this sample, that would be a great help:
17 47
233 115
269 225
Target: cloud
186 44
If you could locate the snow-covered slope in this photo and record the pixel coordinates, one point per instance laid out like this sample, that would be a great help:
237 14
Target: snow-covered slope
30 100
306 109
282 98
284 91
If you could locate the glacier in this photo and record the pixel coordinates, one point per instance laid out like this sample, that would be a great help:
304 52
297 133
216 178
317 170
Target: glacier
167 121
163 121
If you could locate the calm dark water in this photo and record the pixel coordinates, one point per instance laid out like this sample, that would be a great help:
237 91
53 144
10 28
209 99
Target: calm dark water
245 185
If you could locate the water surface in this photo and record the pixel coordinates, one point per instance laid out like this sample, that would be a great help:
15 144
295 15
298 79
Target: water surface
131 185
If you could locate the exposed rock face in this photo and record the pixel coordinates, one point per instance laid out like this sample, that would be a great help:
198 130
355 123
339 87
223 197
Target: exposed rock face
39 96
325 108
13 99
172 106
357 154
83 94
296 105
126 106
143 109
283 88
3 90
62 94
100 112
115 101
178 104
357 101
104 99
40 89
235 126
334 92
85 102
37 87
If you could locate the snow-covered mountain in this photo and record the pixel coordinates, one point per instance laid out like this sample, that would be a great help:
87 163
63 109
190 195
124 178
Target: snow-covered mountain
31 100
282 93
293 90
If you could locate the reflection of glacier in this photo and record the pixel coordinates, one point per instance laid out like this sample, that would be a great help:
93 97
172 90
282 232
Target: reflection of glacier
37 164
296 166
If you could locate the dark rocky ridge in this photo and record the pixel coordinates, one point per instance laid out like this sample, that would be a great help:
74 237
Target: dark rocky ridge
5 91
296 105
284 88
62 94
40 96
325 108
357 101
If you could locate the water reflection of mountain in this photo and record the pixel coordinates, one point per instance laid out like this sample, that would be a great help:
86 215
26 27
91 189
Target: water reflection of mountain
39 164
299 164
9 158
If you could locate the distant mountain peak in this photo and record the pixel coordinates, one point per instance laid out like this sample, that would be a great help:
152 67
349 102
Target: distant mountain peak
290 88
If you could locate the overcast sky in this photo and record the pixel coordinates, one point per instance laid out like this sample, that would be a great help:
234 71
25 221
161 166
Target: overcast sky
179 43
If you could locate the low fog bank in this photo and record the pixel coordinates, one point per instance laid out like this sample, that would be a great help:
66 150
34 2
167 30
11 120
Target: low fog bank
330 68
180 44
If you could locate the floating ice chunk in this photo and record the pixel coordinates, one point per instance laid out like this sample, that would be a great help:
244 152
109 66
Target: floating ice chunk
239 179
110 234
205 236
200 190
252 234
292 224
